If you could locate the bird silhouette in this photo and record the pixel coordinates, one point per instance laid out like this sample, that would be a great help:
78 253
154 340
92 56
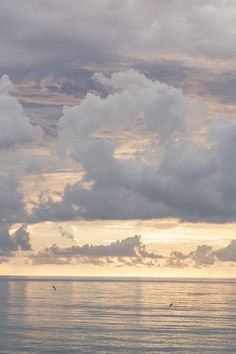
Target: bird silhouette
170 305
54 288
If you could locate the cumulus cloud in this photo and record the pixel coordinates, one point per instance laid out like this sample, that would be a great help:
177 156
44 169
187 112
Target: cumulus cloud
15 127
178 176
127 251
164 108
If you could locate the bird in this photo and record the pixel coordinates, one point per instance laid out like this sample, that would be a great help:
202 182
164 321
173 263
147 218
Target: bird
54 288
170 305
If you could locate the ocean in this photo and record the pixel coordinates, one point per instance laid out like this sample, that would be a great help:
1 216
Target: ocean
110 315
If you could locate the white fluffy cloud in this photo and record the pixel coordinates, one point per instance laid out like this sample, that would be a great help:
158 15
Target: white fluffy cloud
184 178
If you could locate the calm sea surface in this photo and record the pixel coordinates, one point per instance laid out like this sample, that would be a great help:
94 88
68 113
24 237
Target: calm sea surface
117 316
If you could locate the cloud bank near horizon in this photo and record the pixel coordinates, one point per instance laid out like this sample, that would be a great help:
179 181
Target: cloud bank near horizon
131 251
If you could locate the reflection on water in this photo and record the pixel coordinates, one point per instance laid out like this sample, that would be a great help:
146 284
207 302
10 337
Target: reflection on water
117 316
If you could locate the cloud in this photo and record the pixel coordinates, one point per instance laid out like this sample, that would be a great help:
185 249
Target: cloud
12 211
22 238
81 32
66 235
128 189
129 251
11 200
174 174
132 252
203 256
10 243
227 254
177 259
15 127
184 38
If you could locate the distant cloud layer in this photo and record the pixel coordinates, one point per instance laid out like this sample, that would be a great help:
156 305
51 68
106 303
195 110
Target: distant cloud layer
132 252
129 251
203 256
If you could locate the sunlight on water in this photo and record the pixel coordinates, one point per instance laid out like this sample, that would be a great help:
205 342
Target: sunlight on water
98 316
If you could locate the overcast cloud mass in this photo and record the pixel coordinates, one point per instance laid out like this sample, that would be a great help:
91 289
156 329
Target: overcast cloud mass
116 110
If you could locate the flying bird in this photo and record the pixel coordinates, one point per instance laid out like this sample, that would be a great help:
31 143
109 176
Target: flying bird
54 288
170 305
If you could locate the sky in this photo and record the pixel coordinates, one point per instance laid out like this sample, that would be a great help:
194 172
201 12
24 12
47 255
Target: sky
118 138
